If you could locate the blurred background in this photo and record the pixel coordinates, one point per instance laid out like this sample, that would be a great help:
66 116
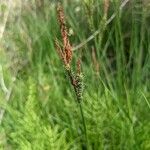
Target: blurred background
37 106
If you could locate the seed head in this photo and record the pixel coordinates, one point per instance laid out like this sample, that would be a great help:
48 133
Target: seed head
67 49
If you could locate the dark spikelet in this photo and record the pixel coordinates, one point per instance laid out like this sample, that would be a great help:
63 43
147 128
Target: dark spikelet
79 86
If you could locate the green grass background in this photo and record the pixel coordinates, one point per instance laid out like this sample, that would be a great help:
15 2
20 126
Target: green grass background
42 112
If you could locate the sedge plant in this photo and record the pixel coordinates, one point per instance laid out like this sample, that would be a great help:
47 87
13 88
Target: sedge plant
65 53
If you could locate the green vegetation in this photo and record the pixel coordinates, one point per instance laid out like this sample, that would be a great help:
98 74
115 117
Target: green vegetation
39 106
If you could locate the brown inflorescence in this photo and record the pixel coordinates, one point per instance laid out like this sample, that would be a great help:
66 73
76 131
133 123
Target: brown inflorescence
67 49
65 54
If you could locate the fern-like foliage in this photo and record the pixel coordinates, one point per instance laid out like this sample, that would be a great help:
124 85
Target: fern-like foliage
31 132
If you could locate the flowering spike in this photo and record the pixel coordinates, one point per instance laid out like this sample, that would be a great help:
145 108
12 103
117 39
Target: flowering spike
66 56
66 44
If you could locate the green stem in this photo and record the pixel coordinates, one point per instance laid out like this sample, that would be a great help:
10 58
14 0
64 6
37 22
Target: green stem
84 124
79 103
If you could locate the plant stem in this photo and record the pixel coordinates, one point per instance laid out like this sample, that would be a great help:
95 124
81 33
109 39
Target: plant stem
84 124
80 105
